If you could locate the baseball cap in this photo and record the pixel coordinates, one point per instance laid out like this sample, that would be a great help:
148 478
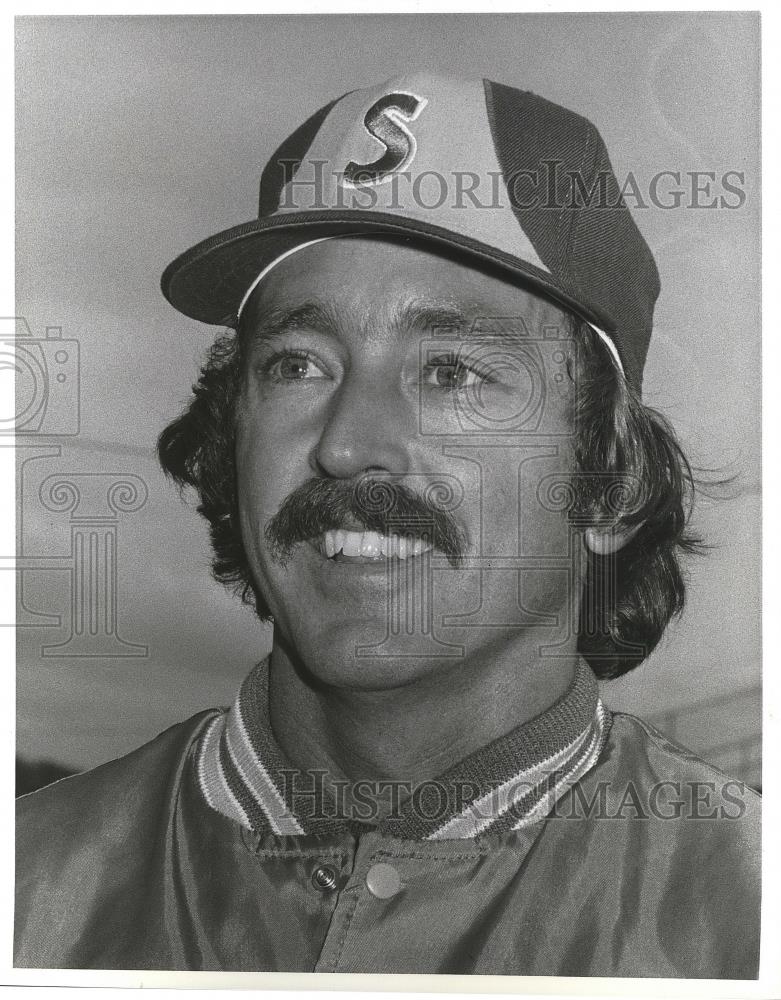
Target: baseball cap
500 174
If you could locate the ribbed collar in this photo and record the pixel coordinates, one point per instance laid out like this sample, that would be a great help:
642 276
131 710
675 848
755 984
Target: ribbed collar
510 783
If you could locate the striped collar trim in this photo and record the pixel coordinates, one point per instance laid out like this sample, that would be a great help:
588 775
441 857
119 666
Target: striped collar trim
509 784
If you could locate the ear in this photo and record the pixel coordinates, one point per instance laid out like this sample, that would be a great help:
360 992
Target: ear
606 541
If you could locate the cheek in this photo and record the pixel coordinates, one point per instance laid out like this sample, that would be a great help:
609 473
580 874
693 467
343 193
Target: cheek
544 499
515 497
268 469
527 569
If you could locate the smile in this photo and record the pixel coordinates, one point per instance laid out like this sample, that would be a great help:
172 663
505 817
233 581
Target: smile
369 545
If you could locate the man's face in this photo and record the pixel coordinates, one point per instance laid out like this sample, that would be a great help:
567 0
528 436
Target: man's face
374 360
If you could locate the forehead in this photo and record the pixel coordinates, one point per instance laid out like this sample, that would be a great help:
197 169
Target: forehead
395 283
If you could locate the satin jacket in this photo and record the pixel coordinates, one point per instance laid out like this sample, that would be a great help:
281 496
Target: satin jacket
582 844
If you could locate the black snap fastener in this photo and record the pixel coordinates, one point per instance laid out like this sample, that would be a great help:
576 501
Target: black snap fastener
324 878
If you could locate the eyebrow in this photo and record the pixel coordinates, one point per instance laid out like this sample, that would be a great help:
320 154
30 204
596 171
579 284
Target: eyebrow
312 315
450 322
440 318
322 316
417 315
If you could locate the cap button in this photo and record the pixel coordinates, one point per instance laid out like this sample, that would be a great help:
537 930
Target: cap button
383 881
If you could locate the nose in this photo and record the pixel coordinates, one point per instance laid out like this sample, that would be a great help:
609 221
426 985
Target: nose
368 428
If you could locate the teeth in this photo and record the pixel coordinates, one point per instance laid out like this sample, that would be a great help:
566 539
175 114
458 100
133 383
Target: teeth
419 546
371 545
352 543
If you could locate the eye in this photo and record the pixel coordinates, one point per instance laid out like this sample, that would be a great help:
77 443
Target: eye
451 373
293 366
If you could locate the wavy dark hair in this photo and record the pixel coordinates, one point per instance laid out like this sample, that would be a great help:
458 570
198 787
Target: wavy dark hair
631 473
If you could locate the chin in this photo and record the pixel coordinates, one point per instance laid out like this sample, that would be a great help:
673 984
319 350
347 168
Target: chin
361 655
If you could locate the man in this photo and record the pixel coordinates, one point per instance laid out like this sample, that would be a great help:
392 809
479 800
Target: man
424 456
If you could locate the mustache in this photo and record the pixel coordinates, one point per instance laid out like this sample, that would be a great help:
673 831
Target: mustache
320 505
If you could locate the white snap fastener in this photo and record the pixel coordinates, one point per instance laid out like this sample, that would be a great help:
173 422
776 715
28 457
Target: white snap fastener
383 881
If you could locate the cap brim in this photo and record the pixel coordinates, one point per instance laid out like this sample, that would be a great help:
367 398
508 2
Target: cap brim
208 282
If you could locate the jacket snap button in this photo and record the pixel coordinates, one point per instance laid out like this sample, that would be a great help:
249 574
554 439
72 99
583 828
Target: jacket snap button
383 881
324 878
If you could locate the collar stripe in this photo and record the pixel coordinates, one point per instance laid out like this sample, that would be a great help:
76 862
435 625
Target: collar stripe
483 812
256 777
247 801
252 705
587 760
212 778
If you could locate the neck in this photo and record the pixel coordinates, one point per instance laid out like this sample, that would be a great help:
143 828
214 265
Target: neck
417 731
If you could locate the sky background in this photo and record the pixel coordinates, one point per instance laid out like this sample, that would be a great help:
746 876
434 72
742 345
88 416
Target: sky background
137 137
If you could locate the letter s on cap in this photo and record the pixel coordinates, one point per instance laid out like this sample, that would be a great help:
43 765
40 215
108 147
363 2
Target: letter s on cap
386 120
